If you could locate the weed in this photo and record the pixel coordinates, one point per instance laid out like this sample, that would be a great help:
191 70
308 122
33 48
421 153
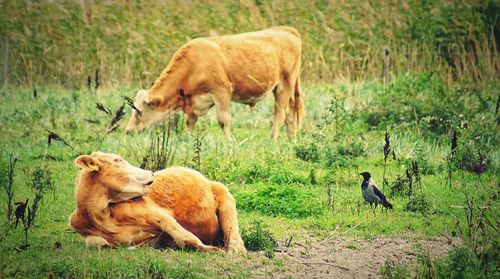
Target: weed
418 203
387 150
393 269
162 148
41 182
335 160
199 135
258 237
307 152
285 200
7 181
400 186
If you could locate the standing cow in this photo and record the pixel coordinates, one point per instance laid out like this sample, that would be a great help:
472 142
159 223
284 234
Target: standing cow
217 70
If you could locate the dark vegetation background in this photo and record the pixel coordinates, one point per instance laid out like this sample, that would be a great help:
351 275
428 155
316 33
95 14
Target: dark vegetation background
407 90
131 41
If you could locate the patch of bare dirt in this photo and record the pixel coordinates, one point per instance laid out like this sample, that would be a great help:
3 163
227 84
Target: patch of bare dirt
347 257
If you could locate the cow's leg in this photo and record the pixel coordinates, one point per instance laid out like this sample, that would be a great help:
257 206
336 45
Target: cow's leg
181 236
191 120
281 98
228 219
222 100
290 121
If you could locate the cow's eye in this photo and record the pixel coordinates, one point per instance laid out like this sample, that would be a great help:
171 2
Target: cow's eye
118 160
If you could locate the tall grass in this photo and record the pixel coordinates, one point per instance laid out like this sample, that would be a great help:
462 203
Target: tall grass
131 42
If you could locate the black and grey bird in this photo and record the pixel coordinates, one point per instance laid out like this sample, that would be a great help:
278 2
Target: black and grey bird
371 193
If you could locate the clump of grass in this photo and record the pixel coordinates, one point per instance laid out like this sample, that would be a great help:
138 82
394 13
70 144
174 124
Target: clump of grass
334 159
258 237
307 152
284 200
400 186
393 269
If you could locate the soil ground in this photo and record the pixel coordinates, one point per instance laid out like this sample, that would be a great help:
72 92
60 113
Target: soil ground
348 257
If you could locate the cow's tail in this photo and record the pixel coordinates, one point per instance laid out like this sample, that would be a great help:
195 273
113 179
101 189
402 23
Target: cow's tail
298 104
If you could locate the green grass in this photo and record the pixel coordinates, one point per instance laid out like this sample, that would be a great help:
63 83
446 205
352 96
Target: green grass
270 182
444 79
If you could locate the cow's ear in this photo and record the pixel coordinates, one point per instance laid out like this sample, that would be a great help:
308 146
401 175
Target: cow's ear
154 101
87 162
181 93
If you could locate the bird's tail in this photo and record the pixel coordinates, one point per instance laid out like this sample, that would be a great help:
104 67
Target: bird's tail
386 204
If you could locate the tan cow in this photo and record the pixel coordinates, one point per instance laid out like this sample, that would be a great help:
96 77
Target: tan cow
119 204
214 71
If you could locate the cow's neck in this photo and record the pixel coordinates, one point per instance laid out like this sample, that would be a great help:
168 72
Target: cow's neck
174 76
93 199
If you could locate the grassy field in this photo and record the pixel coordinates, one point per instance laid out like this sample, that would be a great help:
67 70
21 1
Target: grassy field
285 185
440 110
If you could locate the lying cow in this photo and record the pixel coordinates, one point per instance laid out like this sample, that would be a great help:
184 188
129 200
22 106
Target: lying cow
119 204
217 70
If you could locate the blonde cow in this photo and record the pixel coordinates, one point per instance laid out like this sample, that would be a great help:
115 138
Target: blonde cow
216 71
119 204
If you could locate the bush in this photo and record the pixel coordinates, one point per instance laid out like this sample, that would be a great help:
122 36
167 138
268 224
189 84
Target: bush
307 152
418 203
284 200
276 174
460 263
400 187
258 237
474 148
423 100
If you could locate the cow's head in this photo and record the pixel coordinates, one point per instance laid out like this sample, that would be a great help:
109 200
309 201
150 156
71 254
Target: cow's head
147 111
116 177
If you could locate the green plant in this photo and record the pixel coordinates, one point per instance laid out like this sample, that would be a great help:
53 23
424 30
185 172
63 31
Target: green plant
40 182
307 152
7 181
400 186
334 159
162 148
419 203
258 237
392 269
285 200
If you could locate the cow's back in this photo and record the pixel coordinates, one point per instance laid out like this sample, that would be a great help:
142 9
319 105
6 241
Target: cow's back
187 195
253 63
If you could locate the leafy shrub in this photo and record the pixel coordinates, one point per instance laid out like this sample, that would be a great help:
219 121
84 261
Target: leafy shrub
307 152
400 187
276 174
460 263
258 237
352 149
473 148
425 101
418 203
335 160
285 200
